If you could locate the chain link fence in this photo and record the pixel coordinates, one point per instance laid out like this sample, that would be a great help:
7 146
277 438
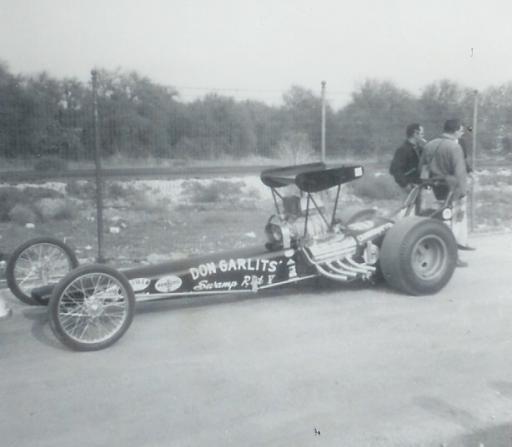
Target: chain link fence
48 126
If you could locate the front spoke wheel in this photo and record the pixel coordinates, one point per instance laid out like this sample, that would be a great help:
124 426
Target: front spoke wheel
37 263
92 308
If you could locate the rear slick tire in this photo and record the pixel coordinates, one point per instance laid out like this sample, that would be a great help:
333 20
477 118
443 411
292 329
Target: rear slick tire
418 256
91 308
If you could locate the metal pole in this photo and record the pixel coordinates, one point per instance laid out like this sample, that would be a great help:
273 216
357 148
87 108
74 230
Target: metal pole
323 121
473 157
97 160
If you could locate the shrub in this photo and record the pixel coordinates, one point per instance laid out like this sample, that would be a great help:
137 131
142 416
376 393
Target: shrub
9 197
118 191
376 187
54 209
22 214
127 191
212 191
82 189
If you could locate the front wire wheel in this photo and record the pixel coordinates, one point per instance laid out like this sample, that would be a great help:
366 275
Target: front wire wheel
37 263
91 308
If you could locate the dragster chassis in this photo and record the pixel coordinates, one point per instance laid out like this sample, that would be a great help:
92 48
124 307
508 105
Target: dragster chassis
91 307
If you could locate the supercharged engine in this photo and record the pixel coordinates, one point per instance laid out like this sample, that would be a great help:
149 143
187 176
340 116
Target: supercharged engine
343 252
287 229
285 233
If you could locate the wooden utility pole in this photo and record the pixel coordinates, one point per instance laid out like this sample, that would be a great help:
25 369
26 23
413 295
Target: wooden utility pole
323 121
97 160
473 160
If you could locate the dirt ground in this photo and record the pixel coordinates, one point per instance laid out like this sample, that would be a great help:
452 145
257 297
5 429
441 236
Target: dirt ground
151 235
220 215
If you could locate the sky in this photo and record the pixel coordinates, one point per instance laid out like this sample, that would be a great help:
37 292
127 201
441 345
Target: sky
258 49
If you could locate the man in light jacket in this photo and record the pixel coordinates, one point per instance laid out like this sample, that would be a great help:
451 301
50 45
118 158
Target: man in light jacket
444 158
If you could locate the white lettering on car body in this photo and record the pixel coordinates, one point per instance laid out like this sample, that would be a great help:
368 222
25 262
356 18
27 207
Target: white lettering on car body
231 265
215 285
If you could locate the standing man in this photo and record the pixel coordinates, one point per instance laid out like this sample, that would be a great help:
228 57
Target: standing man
444 158
404 166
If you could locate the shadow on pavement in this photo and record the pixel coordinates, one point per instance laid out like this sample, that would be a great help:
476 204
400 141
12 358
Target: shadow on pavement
495 436
503 387
318 286
209 300
304 288
446 411
40 329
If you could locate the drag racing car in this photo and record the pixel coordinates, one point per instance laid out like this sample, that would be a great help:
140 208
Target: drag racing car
90 307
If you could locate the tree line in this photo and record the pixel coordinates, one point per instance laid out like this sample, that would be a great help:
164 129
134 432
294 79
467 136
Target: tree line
42 115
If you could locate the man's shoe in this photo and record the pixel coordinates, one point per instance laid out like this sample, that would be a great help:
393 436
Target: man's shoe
461 263
465 247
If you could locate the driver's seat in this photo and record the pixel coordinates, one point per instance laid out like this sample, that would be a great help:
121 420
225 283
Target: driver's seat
428 198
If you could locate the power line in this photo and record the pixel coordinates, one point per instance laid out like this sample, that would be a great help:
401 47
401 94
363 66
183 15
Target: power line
254 90
231 89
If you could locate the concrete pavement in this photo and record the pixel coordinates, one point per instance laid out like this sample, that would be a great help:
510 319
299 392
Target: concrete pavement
353 366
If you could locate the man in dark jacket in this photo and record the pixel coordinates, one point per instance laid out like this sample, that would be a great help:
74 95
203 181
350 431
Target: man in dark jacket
404 166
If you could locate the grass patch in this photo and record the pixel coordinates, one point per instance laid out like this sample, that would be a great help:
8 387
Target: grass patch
86 190
494 208
213 191
494 180
218 217
494 197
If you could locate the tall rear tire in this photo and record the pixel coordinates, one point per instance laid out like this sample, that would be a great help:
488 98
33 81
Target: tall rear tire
91 308
418 255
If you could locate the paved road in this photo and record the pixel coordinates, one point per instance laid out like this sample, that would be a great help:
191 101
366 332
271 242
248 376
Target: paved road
337 367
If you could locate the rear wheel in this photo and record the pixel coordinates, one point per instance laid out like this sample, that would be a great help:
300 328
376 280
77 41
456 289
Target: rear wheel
91 308
418 256
36 263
